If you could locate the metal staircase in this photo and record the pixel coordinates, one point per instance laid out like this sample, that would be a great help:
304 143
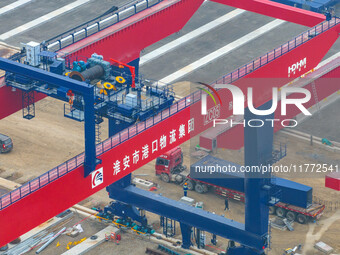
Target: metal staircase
316 98
98 121
28 106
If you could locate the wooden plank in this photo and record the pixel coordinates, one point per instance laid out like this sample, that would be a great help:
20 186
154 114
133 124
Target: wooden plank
8 184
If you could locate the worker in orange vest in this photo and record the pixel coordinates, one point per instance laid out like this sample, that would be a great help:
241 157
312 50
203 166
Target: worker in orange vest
185 189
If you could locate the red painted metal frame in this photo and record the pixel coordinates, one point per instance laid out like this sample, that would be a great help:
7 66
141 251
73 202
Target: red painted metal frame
132 35
65 186
332 181
325 86
277 10
125 40
122 41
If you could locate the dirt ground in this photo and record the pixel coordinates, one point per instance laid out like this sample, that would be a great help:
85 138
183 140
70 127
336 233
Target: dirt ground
50 139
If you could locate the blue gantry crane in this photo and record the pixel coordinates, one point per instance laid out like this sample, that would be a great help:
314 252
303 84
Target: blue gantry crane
92 89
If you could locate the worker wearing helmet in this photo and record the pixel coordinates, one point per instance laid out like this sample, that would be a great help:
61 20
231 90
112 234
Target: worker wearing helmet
185 189
226 204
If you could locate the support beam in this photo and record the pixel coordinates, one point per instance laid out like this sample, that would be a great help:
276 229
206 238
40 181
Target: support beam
277 10
258 147
44 76
186 214
186 232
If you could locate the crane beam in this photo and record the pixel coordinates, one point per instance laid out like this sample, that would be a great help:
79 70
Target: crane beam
277 10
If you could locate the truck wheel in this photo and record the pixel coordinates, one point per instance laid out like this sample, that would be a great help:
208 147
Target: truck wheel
302 219
191 184
280 212
272 210
199 188
291 216
165 177
205 188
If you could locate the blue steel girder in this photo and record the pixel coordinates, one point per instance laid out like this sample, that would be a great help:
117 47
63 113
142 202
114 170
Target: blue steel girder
83 88
258 147
186 214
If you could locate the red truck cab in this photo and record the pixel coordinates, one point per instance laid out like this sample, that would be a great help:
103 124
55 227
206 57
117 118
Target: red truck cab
169 164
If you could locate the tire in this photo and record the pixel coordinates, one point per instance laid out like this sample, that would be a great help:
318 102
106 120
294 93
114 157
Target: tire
165 177
205 188
199 188
191 184
300 218
280 212
272 210
291 215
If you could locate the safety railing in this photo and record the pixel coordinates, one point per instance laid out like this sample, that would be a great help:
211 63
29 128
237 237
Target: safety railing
70 165
278 52
132 131
94 26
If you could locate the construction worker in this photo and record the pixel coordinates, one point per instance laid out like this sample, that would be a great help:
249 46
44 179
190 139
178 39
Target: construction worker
118 238
185 189
226 203
214 239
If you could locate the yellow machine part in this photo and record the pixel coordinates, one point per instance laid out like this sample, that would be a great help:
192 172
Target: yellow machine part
120 79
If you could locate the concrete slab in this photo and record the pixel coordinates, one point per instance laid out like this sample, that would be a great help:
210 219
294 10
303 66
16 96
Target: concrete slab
325 248
89 244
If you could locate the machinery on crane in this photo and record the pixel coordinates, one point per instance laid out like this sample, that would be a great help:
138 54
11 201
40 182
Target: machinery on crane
119 95
92 88
295 198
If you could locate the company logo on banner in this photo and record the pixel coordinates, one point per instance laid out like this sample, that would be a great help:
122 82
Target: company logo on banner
297 66
97 177
239 99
